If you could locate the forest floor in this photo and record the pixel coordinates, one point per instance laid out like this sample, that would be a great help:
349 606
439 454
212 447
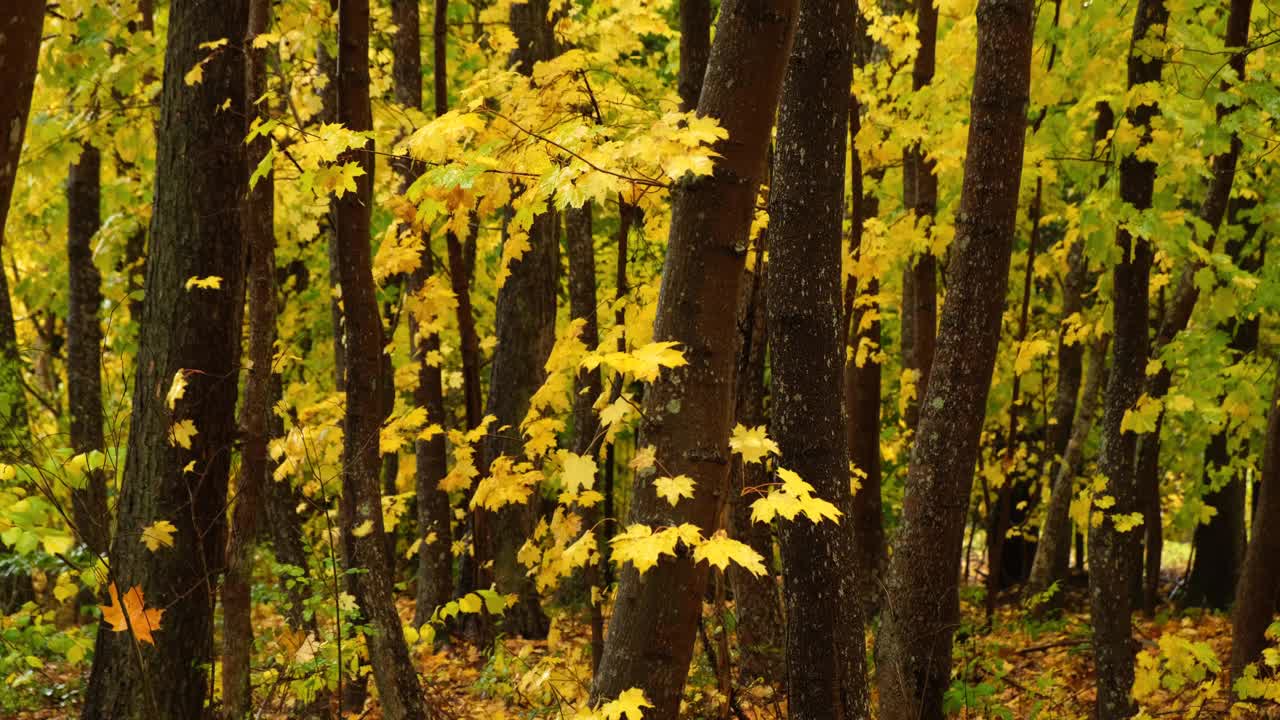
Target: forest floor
1017 668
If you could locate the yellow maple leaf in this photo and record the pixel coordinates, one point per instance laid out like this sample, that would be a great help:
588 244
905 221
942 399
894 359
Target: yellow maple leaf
212 282
644 458
720 549
672 489
752 443
579 471
649 359
363 529
181 432
642 547
627 706
132 615
1028 351
158 534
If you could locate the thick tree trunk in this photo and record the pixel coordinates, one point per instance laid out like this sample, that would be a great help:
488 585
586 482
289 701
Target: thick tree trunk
1258 591
756 603
655 620
923 604
20 27
580 244
257 216
393 671
195 232
920 195
695 48
825 643
84 346
1113 555
1053 551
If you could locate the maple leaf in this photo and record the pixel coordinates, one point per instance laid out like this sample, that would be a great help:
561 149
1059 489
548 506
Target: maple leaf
642 547
158 534
181 432
752 443
627 706
579 471
132 615
672 489
644 458
212 282
177 389
648 360
720 549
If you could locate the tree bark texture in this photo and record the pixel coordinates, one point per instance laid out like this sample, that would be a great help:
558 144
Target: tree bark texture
695 48
923 601
688 409
195 231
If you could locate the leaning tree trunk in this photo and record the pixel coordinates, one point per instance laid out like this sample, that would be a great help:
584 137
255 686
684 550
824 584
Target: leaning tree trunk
825 638
20 27
923 603
655 620
393 670
525 321
1258 591
1113 555
257 216
84 346
193 333
920 196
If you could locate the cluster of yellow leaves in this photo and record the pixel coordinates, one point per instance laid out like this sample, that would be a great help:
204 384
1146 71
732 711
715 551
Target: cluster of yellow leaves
509 481
792 497
643 547
558 547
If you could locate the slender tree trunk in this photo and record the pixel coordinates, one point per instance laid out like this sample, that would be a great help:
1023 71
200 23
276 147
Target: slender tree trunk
695 48
825 643
756 603
393 671
84 346
655 619
1112 554
1258 591
195 333
20 27
580 244
435 558
627 214
257 216
920 195
1053 552
923 604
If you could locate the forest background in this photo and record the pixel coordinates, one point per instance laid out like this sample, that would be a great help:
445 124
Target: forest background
759 358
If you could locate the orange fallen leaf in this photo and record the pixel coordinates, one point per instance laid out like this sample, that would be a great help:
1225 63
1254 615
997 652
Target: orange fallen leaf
140 619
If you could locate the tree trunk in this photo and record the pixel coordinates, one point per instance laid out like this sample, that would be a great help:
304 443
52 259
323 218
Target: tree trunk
84 346
1258 591
923 605
920 195
20 28
825 643
758 609
580 244
393 671
1112 554
695 48
1053 551
655 620
257 216
195 232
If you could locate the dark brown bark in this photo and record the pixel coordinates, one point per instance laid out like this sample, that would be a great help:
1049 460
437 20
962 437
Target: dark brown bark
1113 555
1212 211
695 48
469 340
257 217
920 195
923 602
393 671
580 246
195 231
655 620
20 27
84 346
825 638
757 605
1258 591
